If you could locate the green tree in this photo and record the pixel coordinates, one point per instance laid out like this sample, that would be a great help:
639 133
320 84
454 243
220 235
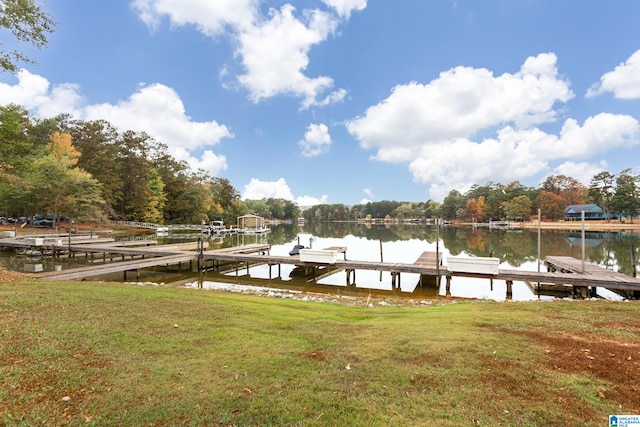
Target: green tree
99 149
405 211
518 208
226 201
28 23
276 207
193 204
431 209
16 146
258 207
625 197
601 190
58 186
157 198
453 204
291 210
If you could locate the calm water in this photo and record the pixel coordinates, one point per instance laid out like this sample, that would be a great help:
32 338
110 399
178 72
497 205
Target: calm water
517 249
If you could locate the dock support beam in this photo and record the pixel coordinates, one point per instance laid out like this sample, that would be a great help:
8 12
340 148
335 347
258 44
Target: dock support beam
351 272
395 280
509 289
430 281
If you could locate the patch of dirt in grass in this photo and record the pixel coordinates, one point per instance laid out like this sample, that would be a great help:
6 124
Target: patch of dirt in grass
616 363
318 356
509 380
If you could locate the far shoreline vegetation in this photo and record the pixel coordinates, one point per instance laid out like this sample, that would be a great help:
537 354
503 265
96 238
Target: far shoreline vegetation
89 171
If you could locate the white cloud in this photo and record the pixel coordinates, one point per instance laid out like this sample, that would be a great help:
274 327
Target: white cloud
623 81
273 49
275 54
345 7
582 171
210 17
37 95
210 162
158 110
458 104
306 201
155 109
519 154
369 193
258 190
316 140
431 127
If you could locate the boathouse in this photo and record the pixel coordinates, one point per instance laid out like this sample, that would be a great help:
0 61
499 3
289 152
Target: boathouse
251 224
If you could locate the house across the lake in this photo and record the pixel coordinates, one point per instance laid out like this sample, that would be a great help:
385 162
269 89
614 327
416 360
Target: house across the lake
591 212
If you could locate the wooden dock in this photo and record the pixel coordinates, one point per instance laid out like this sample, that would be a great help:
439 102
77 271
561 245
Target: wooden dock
563 271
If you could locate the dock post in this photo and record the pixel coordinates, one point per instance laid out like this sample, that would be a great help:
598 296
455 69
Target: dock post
448 286
395 280
633 261
581 292
509 289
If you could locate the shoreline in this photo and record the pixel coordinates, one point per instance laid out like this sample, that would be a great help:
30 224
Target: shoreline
577 226
602 226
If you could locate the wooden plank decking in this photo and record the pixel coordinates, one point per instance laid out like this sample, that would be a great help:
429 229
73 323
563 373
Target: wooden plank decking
116 267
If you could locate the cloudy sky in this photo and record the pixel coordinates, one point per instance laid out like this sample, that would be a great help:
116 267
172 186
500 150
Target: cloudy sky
348 101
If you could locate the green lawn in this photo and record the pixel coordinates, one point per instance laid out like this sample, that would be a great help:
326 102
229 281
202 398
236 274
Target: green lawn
116 354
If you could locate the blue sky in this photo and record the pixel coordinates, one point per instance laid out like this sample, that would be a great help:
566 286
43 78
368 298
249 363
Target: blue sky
348 101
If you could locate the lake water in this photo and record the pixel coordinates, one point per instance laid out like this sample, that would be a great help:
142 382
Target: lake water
516 249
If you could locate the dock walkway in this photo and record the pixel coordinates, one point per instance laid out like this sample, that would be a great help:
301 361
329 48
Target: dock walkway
564 271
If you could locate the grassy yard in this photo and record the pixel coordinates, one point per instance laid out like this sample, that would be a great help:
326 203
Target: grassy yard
117 354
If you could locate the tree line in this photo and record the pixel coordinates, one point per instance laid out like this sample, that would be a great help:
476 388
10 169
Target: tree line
89 171
616 194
